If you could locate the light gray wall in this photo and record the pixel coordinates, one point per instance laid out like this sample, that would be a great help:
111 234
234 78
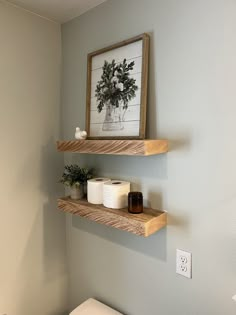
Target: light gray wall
191 103
33 272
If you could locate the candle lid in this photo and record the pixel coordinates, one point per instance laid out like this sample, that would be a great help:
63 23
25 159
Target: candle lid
135 194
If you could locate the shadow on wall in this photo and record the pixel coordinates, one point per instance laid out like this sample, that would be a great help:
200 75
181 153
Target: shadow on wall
54 237
54 222
125 167
43 270
153 246
151 127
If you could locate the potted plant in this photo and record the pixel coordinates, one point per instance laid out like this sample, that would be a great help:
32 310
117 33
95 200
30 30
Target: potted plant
114 91
76 178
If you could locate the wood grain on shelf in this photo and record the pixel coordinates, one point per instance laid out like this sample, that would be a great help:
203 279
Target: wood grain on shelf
143 224
116 147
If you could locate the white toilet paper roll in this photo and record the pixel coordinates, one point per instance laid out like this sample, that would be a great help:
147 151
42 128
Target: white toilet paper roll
115 194
95 190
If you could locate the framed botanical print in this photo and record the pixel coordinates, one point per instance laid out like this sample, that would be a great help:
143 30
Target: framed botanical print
117 90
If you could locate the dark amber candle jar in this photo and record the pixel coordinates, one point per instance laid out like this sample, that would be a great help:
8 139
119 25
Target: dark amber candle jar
135 202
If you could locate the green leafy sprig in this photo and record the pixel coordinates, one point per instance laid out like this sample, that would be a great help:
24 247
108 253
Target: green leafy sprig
116 85
74 175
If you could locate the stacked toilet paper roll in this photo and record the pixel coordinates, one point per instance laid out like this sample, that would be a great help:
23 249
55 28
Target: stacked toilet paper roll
95 190
115 194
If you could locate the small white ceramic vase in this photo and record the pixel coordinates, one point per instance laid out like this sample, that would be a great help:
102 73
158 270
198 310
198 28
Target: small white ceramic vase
77 192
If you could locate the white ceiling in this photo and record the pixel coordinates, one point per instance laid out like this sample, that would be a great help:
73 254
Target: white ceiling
57 10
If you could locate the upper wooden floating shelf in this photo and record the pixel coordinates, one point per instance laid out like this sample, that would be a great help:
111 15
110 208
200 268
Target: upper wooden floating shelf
143 224
115 147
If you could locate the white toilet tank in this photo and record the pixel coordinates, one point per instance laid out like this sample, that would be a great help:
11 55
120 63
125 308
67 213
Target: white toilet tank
93 307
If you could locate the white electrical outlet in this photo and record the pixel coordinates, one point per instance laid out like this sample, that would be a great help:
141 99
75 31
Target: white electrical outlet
184 263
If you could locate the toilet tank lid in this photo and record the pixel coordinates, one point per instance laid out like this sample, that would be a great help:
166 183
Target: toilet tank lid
94 307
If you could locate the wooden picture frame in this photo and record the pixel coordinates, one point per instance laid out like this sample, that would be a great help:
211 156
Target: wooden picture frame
117 90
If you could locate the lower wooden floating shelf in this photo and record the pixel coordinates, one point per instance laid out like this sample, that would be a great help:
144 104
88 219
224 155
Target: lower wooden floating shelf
144 224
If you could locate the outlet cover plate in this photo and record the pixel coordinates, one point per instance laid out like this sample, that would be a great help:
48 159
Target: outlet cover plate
184 263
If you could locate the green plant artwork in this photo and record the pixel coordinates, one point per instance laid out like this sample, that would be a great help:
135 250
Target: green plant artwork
114 91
